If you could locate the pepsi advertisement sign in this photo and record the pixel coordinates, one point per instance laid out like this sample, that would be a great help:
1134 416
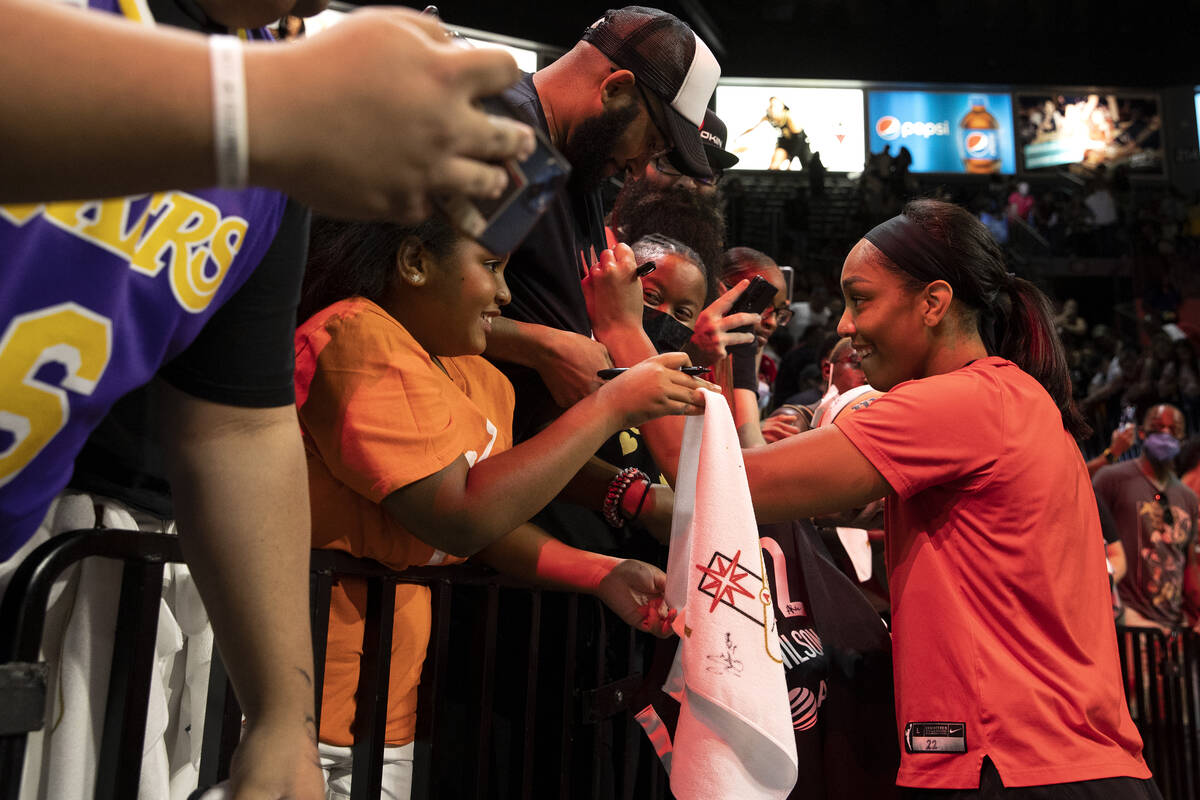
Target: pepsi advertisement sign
944 132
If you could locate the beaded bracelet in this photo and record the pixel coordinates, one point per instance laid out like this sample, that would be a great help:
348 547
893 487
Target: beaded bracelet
616 490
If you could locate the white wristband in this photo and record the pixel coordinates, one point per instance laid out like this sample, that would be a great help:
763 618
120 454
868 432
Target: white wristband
230 135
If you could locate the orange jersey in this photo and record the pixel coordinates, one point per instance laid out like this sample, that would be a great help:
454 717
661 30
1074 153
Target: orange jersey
377 414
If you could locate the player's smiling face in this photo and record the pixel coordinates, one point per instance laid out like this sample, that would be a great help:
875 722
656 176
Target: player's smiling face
883 319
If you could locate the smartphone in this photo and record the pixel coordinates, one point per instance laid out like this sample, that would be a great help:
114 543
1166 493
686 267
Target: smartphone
1128 418
500 223
755 298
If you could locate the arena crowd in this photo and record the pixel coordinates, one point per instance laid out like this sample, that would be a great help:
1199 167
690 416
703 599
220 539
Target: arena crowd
296 323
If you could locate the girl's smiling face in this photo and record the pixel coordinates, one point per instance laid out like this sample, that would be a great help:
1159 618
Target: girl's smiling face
676 287
453 303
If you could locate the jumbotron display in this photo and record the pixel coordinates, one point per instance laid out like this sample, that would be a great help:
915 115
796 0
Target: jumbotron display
1090 129
782 127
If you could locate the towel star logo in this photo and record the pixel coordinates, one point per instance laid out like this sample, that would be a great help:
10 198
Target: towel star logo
722 581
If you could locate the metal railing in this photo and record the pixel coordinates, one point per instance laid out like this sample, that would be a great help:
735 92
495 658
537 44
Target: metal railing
523 692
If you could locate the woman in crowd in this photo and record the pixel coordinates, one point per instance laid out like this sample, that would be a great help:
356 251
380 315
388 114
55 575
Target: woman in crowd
1005 653
751 371
407 432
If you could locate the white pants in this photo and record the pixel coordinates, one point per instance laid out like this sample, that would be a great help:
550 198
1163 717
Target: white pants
397 772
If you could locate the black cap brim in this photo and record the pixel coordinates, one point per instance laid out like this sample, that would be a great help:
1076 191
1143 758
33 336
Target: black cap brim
689 147
720 159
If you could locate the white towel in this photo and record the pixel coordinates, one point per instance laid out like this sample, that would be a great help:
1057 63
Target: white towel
734 736
855 540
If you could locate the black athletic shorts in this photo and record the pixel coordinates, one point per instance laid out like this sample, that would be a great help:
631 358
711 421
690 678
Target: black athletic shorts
991 788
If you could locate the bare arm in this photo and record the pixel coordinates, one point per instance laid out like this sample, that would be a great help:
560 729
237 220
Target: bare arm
590 485
567 362
240 490
752 127
632 589
1119 442
461 509
746 418
1116 556
812 474
387 148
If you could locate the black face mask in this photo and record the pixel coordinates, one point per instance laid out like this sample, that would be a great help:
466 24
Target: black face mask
667 334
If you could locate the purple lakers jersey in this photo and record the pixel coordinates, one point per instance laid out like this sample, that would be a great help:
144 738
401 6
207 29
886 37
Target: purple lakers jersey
98 295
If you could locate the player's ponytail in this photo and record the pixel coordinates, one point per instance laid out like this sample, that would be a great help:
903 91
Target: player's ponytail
932 240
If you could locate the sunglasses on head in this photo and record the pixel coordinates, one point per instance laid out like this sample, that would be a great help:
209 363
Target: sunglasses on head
1167 515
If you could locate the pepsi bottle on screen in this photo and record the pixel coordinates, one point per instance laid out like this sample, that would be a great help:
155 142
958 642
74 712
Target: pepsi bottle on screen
979 139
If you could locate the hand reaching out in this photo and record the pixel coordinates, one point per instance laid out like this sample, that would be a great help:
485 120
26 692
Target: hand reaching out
776 428
569 369
406 126
613 292
277 762
652 389
714 332
634 591
1122 440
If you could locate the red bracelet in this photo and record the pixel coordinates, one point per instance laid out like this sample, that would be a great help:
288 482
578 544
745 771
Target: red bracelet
616 490
637 512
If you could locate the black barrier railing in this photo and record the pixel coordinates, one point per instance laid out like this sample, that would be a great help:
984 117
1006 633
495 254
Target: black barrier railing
517 697
1162 683
523 692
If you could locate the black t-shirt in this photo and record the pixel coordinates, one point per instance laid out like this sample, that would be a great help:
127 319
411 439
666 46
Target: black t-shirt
806 666
545 271
837 663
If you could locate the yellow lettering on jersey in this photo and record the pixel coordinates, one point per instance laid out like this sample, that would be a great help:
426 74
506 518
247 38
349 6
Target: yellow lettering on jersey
68 214
111 226
103 222
187 222
186 233
194 289
20 213
136 10
32 411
